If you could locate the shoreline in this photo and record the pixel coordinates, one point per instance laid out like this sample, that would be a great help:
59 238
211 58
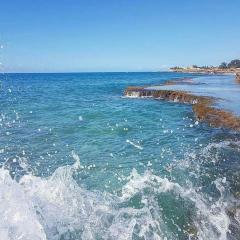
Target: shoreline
202 106
231 71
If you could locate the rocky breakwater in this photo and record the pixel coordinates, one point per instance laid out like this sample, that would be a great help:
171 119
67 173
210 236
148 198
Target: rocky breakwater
168 95
201 105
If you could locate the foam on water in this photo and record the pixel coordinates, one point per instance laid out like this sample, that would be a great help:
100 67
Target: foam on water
165 184
58 208
134 144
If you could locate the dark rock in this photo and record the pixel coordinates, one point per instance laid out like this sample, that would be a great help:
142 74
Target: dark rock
238 77
202 106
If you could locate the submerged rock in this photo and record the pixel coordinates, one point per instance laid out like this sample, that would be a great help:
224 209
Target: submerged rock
202 105
238 77
216 117
169 95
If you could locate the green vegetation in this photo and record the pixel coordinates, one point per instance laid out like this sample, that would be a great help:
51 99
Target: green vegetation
224 65
234 64
176 68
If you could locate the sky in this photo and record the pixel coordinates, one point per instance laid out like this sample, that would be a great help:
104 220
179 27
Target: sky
116 35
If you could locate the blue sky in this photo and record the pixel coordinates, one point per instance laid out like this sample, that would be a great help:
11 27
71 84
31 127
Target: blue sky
116 35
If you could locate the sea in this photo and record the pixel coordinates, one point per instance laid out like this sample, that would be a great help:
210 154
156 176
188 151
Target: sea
78 160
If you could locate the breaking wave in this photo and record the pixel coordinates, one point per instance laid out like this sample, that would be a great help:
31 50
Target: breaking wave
147 207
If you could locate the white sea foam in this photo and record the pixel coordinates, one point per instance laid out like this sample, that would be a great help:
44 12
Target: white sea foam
133 95
58 208
18 215
134 144
211 220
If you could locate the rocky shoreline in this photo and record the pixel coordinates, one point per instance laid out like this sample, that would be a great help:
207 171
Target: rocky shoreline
213 70
233 67
238 77
202 105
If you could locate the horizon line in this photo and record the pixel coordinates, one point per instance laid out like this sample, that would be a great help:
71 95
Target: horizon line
86 72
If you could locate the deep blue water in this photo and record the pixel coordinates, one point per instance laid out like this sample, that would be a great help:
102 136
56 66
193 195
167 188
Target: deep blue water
147 168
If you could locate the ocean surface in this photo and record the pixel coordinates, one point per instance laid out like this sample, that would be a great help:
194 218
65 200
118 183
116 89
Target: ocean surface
224 88
80 161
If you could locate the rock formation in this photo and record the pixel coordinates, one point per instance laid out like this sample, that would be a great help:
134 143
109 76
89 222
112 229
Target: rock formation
202 106
238 77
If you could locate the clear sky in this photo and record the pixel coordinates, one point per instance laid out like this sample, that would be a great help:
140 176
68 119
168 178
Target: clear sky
116 35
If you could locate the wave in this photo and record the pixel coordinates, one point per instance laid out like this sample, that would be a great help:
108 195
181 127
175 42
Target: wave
148 207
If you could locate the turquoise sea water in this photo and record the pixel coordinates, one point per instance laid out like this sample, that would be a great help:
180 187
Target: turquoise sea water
79 161
224 88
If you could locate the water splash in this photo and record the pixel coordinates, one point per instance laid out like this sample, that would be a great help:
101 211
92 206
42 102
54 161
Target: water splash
58 208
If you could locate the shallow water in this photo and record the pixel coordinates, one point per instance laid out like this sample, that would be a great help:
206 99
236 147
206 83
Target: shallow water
79 161
224 88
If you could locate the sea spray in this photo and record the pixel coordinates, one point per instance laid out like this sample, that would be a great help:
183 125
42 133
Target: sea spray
58 208
158 175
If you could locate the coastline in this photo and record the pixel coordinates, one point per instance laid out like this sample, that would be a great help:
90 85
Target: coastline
104 150
203 106
214 70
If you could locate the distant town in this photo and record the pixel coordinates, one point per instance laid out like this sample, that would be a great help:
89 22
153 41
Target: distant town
231 67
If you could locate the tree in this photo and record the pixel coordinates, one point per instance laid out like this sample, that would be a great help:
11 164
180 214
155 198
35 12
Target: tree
234 63
223 65
176 68
205 67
